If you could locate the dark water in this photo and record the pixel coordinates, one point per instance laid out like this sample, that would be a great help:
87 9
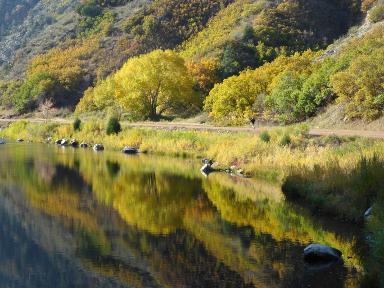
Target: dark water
75 218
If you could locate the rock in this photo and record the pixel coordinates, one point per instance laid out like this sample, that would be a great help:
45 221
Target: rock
83 145
64 142
206 169
19 140
2 141
130 150
207 161
321 253
98 147
240 172
74 143
58 142
368 213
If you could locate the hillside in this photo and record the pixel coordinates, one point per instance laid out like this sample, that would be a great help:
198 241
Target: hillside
52 52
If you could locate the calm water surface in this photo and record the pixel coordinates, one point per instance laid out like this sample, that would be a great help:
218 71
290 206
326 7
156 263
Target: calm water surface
75 218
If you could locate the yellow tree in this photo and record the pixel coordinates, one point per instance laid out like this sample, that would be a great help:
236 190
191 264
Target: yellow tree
153 84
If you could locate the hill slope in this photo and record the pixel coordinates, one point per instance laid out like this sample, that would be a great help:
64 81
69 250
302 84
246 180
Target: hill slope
76 45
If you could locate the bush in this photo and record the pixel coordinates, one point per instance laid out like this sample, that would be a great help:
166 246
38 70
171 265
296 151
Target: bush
285 140
113 126
77 124
89 9
265 137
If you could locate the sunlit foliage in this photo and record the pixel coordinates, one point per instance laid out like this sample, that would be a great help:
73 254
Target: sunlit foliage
152 84
56 75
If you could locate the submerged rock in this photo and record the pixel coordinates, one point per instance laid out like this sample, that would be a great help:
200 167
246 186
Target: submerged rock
98 147
321 253
130 150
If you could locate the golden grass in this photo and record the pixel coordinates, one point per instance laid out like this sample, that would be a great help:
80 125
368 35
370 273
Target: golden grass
245 150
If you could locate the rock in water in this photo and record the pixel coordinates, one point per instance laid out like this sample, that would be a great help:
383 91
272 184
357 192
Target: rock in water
83 145
19 140
64 142
98 147
2 141
206 169
130 150
58 142
321 253
74 143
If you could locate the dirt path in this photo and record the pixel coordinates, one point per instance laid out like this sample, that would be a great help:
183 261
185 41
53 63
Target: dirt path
206 127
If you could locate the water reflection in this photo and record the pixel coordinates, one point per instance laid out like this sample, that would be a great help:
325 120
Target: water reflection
108 220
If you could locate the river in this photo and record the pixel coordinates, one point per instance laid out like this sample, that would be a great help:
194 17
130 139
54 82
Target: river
77 218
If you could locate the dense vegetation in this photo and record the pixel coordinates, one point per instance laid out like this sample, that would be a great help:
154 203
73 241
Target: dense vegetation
294 88
217 39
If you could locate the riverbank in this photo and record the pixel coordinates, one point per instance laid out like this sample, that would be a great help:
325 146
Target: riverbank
337 176
328 164
275 148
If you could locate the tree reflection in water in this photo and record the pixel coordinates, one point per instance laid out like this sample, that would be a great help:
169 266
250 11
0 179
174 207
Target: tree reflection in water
156 222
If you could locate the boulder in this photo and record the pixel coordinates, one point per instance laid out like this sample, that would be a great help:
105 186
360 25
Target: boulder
130 150
98 147
74 143
83 145
19 140
58 142
321 253
64 142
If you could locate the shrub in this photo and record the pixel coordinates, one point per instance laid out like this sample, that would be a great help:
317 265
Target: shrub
89 9
285 140
265 137
113 126
77 124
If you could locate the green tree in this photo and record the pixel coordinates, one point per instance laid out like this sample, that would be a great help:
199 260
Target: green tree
77 124
113 126
150 85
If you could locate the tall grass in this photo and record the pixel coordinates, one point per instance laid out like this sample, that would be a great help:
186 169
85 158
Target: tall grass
342 191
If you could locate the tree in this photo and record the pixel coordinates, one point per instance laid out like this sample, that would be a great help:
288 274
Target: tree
204 73
361 88
150 85
45 108
113 126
